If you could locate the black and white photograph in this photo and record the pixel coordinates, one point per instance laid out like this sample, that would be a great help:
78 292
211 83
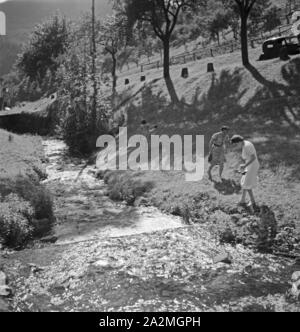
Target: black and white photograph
149 159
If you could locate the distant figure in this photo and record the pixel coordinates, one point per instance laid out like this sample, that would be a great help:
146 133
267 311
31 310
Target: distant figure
217 151
249 169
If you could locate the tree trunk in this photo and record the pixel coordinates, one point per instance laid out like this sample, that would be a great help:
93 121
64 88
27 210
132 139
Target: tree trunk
94 78
113 73
167 77
244 39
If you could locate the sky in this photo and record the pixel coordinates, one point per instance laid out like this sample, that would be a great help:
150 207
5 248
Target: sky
23 15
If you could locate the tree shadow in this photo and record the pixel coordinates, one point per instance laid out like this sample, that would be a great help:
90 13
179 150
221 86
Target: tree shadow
276 108
268 117
278 100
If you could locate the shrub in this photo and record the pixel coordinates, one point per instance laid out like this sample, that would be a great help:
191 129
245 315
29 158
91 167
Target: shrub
16 217
123 188
39 199
33 192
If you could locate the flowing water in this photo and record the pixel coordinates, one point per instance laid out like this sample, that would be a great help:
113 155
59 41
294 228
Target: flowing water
82 207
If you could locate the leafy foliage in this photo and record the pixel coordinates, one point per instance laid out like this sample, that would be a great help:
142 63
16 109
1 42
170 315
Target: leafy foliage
16 216
74 76
113 40
47 42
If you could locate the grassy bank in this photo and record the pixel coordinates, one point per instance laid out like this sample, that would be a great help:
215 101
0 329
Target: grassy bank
25 205
262 104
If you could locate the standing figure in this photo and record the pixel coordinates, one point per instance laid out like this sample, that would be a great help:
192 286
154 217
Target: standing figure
217 151
249 169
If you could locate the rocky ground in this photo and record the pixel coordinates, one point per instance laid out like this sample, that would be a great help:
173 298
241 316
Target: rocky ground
110 257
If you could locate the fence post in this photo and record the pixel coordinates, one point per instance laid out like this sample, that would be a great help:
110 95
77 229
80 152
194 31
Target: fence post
184 73
211 53
210 67
142 68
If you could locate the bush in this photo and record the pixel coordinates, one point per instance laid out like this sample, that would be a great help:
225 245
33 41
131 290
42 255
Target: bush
123 188
16 216
41 217
34 193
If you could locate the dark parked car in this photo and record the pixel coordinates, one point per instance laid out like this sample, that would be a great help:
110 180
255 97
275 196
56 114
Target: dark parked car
272 47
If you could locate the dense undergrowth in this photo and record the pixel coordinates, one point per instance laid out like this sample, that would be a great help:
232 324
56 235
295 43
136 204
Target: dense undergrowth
25 205
263 229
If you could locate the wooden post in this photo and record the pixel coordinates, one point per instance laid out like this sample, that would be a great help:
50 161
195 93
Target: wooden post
210 68
143 78
185 73
211 53
126 81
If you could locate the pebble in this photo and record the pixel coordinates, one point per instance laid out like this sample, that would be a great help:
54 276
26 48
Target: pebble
102 263
223 258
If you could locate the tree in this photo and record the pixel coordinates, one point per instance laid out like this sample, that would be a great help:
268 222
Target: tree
94 59
162 15
272 19
244 8
47 42
78 86
113 40
257 17
220 22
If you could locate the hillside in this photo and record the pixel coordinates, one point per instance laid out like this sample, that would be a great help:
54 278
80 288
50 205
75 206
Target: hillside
261 103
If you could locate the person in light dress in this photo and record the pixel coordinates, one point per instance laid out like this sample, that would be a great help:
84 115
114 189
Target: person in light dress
249 169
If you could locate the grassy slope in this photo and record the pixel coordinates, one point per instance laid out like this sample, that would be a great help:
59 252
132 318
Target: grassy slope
21 169
21 155
237 97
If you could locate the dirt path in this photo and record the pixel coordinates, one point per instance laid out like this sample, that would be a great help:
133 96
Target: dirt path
110 257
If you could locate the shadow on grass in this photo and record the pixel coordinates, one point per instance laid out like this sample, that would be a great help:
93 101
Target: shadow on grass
269 118
276 100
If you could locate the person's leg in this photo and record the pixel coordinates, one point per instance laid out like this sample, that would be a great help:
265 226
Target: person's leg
221 169
243 199
251 195
209 171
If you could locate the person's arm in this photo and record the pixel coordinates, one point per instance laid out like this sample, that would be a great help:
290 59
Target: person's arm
212 141
252 159
226 143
